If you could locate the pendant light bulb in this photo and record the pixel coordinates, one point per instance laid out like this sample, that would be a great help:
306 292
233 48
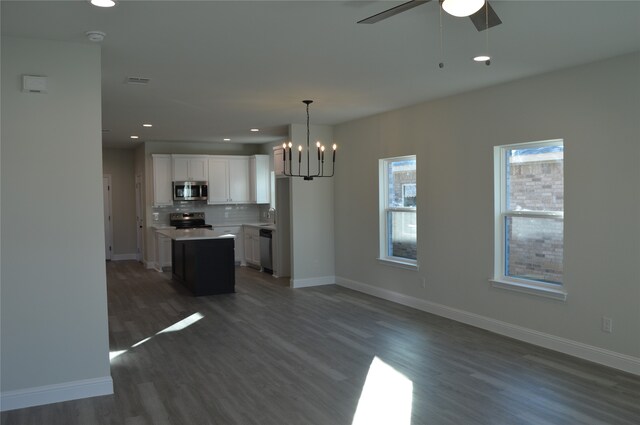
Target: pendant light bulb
462 8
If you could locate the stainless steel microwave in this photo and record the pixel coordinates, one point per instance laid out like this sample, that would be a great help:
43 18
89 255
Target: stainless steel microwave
190 191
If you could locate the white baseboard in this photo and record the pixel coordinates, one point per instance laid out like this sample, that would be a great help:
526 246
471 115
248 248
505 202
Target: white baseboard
574 348
313 281
10 400
121 257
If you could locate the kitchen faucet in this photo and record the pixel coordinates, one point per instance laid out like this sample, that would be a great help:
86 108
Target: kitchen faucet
272 214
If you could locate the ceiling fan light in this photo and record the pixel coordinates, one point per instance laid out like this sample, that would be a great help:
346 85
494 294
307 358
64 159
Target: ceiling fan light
461 8
103 3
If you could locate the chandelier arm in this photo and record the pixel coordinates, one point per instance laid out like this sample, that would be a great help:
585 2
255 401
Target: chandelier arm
333 169
284 161
308 146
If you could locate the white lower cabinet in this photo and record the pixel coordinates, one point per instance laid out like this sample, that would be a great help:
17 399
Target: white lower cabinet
252 245
163 252
237 232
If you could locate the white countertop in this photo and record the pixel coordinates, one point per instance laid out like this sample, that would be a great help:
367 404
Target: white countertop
269 226
191 234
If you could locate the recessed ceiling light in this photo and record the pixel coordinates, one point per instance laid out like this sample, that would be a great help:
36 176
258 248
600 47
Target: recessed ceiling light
147 125
103 3
482 58
227 140
255 129
134 137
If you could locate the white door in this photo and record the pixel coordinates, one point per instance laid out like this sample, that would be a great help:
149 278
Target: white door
139 220
106 191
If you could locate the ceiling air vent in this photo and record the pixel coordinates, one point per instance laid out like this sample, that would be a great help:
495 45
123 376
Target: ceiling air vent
137 80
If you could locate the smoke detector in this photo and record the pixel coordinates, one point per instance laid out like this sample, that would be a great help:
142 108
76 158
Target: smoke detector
95 36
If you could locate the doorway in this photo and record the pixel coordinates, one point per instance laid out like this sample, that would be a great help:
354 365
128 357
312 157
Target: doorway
139 218
108 228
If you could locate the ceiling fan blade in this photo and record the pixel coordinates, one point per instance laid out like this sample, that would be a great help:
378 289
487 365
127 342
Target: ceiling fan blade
479 18
393 11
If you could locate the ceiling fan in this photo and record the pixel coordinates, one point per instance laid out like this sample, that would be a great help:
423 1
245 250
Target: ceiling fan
485 17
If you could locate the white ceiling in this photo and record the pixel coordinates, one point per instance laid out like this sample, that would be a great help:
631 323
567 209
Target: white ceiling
218 68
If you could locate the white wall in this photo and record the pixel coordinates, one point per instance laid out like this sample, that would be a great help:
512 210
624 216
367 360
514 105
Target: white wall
311 209
119 163
54 302
595 108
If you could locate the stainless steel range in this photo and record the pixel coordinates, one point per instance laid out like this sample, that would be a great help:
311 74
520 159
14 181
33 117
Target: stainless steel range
188 220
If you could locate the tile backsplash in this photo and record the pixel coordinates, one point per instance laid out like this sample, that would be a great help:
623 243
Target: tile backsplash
214 214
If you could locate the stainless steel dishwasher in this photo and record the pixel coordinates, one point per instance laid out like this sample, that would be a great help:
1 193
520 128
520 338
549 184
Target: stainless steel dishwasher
266 250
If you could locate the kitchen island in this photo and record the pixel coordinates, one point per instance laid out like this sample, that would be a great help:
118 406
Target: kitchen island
202 261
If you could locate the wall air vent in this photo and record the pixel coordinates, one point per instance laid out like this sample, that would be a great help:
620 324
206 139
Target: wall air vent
137 80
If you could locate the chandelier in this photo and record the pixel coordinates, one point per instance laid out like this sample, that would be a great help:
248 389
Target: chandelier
287 156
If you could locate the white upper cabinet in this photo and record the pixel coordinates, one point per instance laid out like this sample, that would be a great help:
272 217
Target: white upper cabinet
239 180
218 181
259 179
278 160
162 187
228 180
232 179
190 168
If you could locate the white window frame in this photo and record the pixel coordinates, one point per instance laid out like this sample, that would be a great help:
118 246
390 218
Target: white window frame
383 190
535 287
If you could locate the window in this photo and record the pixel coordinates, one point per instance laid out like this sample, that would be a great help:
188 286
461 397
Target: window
529 240
398 225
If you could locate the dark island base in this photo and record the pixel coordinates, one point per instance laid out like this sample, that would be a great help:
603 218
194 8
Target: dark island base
204 266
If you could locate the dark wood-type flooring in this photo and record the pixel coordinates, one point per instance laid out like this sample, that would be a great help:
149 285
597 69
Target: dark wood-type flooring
272 355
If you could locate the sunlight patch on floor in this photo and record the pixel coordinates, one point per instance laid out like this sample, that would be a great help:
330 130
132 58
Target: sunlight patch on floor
114 354
178 326
386 397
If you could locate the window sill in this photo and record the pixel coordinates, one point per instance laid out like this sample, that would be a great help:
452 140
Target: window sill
398 264
547 292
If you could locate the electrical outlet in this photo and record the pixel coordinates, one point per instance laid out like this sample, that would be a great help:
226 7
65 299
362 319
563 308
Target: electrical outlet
607 324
